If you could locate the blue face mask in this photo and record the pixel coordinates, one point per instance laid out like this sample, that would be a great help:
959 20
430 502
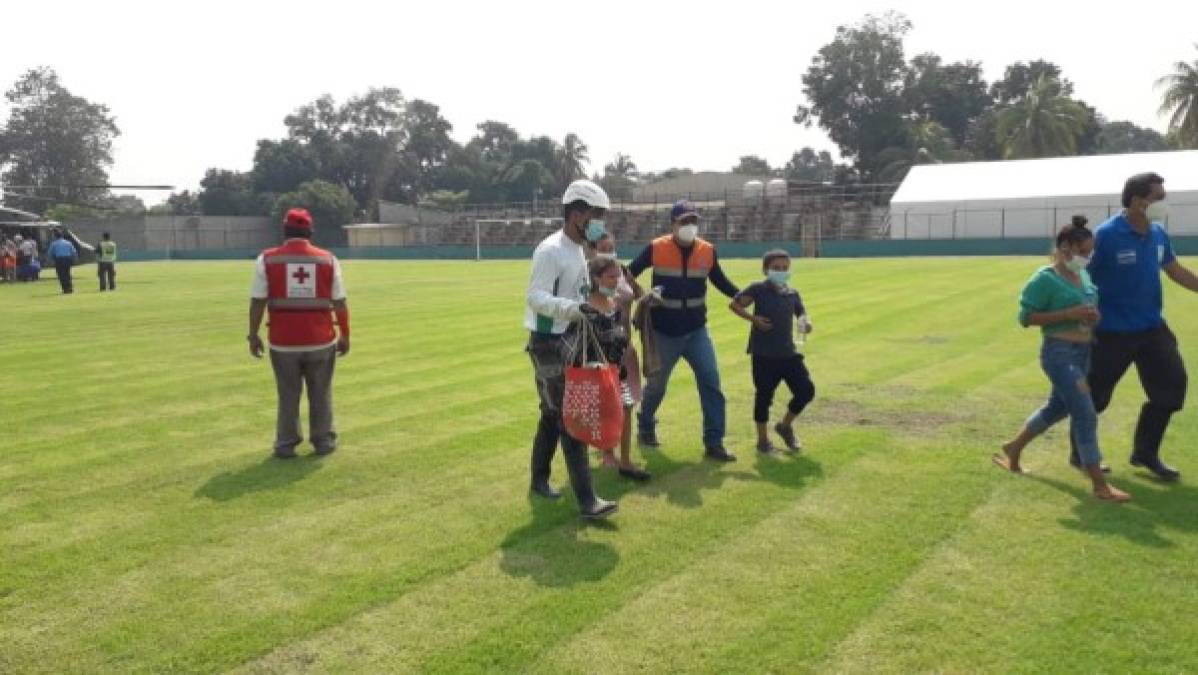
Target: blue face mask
609 292
595 230
778 277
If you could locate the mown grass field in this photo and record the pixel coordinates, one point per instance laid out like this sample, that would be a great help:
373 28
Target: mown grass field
144 528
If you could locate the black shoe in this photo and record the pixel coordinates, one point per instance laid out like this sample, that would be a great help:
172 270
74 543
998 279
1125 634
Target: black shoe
545 490
1156 466
788 437
285 454
322 452
1077 464
717 453
648 439
600 509
767 449
639 475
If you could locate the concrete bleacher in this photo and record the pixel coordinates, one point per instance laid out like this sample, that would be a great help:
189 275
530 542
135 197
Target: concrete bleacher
806 214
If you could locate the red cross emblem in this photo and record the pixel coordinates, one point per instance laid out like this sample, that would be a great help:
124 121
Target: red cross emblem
301 275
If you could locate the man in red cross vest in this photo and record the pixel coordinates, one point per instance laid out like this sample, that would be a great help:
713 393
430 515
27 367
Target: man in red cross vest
301 286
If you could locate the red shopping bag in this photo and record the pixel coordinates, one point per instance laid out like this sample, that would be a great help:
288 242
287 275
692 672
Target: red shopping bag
592 409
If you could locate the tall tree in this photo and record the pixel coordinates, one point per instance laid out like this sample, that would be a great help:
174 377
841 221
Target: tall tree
281 166
358 145
809 165
571 158
229 193
54 141
622 165
1020 78
1180 102
1044 123
331 207
527 179
928 142
855 85
428 144
495 141
1120 137
619 177
952 95
752 165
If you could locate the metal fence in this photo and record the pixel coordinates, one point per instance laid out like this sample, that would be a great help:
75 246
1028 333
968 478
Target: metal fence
805 215
1019 222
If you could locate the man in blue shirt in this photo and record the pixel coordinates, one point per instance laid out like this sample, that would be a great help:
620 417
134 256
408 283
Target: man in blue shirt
62 253
1130 251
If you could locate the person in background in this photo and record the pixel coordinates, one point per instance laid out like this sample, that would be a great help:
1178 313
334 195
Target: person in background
27 262
776 307
1061 299
106 263
8 260
63 254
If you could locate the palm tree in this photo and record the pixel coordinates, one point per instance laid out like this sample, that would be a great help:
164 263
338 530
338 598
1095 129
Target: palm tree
622 166
1043 123
928 142
1180 101
571 156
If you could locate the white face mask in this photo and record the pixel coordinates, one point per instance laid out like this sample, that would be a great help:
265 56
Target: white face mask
1078 263
606 256
687 233
1157 212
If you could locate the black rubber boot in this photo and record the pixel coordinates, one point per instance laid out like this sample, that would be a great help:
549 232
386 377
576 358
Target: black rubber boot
577 463
544 445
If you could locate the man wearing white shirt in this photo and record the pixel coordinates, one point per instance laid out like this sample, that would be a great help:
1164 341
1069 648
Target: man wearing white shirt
557 291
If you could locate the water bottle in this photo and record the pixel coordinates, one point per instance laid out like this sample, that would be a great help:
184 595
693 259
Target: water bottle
1084 326
804 326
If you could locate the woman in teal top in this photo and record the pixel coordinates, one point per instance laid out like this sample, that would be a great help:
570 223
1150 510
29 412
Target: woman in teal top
1061 299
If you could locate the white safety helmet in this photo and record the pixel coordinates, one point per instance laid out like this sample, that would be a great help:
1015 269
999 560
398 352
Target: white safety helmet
586 191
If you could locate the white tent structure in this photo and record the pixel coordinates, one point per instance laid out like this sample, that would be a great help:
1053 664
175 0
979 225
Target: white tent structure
1032 197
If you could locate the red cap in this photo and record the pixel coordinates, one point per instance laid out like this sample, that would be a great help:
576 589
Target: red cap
299 218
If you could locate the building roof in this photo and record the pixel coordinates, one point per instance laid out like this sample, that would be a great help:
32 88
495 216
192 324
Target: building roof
1044 178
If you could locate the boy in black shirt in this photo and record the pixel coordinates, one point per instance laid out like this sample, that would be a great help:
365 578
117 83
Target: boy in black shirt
771 344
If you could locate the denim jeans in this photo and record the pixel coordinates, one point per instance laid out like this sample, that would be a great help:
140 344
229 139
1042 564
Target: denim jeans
1067 364
698 351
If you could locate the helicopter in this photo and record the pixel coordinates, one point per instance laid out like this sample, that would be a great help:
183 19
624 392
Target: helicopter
28 225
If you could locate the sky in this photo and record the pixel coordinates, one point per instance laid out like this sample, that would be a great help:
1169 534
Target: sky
195 85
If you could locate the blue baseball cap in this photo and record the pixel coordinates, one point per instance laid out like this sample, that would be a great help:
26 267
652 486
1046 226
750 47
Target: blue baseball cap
682 209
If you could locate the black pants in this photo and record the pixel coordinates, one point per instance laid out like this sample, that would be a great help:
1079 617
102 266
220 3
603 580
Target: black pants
1162 374
63 267
107 272
768 373
548 354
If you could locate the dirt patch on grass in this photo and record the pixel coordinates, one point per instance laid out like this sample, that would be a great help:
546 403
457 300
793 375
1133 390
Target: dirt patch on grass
851 413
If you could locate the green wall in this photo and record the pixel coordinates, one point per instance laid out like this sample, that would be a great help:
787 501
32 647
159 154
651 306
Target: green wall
874 248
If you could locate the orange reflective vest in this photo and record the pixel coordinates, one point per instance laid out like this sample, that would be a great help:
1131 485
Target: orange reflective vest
683 279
